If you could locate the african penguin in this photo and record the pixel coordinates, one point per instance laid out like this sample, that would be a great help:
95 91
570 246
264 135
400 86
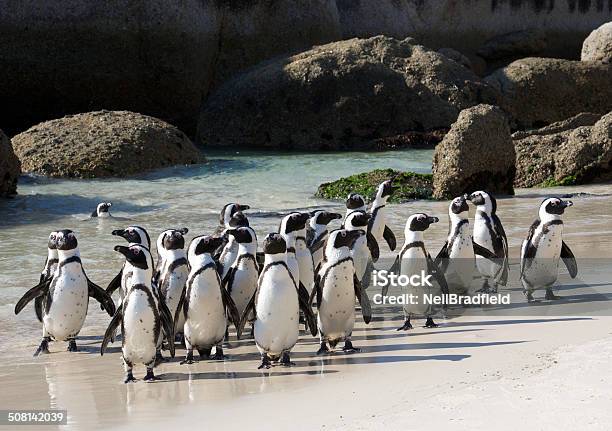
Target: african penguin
205 305
46 273
414 260
541 250
139 316
365 247
227 212
276 306
102 210
66 295
317 233
355 202
378 227
291 227
229 249
336 288
489 233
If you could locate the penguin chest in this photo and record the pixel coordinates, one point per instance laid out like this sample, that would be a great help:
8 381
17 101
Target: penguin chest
414 267
70 299
460 268
378 224
228 256
294 267
206 321
337 311
244 285
543 269
140 327
483 236
276 327
360 254
173 285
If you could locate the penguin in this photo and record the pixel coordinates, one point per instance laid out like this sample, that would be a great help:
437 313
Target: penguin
229 248
317 232
336 287
276 306
365 248
304 257
355 202
378 227
414 259
489 233
46 274
241 279
66 295
173 270
205 305
141 322
102 210
226 214
541 250
291 227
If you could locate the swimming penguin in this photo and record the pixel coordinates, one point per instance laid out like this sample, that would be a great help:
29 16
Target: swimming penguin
457 257
241 279
317 232
205 306
291 226
355 202
229 246
414 262
173 270
141 322
66 295
102 210
489 233
541 250
276 306
336 287
365 248
46 274
378 222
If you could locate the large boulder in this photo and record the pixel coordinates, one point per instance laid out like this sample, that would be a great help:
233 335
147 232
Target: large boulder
598 46
103 144
343 95
565 157
476 154
540 91
10 168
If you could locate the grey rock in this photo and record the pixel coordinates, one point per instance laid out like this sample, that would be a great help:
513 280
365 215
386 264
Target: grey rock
10 168
598 45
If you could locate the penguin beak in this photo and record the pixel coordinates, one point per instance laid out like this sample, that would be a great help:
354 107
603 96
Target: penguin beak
244 207
431 220
336 216
229 232
122 249
118 232
568 203
109 204
183 231
217 241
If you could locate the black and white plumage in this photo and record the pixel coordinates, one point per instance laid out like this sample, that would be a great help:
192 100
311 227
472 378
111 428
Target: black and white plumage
229 247
365 248
46 273
378 227
317 233
102 210
543 247
292 226
355 202
490 234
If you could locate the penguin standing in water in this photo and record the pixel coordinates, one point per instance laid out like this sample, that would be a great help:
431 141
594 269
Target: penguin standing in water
457 257
335 289
489 233
354 202
378 227
414 260
291 226
66 295
541 250
46 274
276 306
365 248
139 316
205 305
241 279
317 233
229 249
102 210
173 270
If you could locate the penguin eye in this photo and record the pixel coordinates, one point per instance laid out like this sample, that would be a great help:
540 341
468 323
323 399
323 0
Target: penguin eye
343 234
136 251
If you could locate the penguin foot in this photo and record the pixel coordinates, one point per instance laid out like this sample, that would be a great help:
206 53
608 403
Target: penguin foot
129 377
188 359
72 346
150 376
323 350
265 362
43 349
550 295
406 326
349 348
429 323
529 297
218 356
285 360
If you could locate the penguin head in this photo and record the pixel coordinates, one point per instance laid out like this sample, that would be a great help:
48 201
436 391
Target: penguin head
357 219
323 217
66 240
294 222
385 189
137 255
242 235
420 222
344 238
484 201
274 243
52 245
238 219
355 201
553 208
134 235
204 244
229 210
173 239
459 207
102 210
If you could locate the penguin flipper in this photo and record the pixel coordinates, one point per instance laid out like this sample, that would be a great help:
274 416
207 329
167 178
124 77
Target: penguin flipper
94 213
438 274
38 307
182 307
231 310
481 251
528 251
303 292
101 296
165 316
260 258
364 301
37 291
316 289
249 308
115 283
569 260
316 246
228 280
110 331
373 246
442 256
307 310
389 236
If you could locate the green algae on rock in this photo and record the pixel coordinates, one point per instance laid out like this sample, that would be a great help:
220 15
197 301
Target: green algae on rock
411 185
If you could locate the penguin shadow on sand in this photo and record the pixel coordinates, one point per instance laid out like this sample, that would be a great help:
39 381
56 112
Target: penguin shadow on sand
232 375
